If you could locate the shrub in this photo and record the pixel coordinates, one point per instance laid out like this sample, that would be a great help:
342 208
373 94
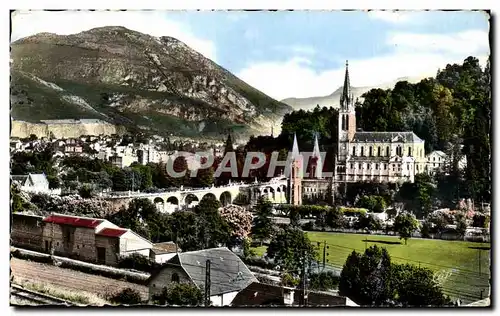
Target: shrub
126 296
137 262
324 281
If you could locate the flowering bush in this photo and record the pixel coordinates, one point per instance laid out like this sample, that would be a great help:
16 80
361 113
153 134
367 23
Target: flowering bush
238 218
71 205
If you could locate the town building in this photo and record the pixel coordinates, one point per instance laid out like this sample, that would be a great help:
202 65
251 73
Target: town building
77 237
228 274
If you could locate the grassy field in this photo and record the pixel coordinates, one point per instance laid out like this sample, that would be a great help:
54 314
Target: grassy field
456 264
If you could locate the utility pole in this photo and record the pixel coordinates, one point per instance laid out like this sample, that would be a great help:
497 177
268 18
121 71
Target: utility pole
207 284
324 254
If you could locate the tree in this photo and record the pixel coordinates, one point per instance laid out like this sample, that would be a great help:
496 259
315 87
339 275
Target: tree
405 224
334 218
366 278
180 294
369 222
374 203
416 287
127 296
291 249
239 219
212 229
323 281
263 227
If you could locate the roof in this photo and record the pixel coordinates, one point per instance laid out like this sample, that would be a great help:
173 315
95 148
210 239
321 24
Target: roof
261 294
386 137
112 232
165 247
227 272
38 179
437 152
73 221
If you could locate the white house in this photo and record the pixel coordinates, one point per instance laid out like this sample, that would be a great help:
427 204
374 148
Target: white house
228 274
436 161
35 183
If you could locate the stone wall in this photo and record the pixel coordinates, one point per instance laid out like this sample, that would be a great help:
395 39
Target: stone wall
111 246
164 278
26 232
60 130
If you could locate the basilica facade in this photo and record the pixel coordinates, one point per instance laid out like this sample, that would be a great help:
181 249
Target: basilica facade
374 156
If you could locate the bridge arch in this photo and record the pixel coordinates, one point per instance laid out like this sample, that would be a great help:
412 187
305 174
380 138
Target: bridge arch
159 203
209 195
173 200
190 198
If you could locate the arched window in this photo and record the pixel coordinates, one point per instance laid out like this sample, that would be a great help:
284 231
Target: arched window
421 154
387 151
370 151
346 123
362 151
175 277
409 151
378 151
354 150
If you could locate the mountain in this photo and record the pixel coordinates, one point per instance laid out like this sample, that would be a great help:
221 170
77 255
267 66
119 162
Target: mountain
333 100
133 80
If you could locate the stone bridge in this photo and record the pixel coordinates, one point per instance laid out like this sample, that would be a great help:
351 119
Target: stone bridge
182 198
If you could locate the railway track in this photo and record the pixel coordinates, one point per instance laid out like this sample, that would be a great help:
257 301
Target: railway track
35 298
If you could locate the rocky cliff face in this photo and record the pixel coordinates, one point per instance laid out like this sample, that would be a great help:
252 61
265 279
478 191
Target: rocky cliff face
132 79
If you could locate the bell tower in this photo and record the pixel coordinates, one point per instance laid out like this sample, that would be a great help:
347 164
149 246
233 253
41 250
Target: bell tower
347 117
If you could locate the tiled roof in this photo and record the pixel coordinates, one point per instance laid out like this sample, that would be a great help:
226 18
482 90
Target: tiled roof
386 137
227 272
111 232
73 221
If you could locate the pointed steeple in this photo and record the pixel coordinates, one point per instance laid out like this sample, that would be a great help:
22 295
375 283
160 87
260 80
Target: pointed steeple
317 156
295 148
346 96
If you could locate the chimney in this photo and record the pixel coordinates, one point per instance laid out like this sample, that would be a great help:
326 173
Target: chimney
288 296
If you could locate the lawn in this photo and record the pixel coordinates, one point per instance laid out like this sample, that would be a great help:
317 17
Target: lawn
456 264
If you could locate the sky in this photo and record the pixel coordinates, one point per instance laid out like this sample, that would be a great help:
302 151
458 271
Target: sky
298 53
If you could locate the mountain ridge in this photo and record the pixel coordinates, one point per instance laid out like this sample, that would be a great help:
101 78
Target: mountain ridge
333 99
136 80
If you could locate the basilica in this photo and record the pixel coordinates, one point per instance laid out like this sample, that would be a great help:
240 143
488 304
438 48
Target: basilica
364 156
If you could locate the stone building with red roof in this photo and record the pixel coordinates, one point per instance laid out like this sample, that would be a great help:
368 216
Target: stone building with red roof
82 238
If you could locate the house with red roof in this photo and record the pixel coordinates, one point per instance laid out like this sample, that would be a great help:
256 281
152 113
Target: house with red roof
82 238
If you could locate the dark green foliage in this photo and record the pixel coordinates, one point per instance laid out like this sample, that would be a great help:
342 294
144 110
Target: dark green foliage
291 249
127 296
405 224
323 281
180 294
461 224
86 192
457 104
480 220
415 287
369 223
373 203
418 196
137 262
263 227
23 162
366 279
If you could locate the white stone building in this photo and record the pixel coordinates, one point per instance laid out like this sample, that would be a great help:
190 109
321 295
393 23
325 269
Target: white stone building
374 156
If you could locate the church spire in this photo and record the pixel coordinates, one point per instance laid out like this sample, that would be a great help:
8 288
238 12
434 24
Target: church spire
295 148
346 97
317 157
